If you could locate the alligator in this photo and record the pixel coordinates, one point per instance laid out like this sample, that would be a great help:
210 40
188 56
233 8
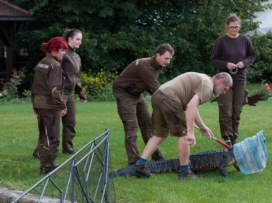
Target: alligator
201 162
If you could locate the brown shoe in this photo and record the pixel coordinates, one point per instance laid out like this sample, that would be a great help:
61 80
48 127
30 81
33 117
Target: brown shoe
68 151
142 171
36 155
187 174
46 170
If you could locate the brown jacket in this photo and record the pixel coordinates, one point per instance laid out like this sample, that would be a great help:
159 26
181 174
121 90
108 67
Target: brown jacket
141 75
71 66
47 85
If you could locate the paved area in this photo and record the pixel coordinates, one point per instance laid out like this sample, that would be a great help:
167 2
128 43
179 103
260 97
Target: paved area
7 196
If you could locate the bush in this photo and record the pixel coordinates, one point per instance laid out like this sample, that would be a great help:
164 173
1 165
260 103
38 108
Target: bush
267 92
10 90
262 66
98 87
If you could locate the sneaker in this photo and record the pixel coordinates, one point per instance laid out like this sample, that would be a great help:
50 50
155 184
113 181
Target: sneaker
142 171
187 174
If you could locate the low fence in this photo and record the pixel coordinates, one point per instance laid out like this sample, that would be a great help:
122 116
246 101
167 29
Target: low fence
81 178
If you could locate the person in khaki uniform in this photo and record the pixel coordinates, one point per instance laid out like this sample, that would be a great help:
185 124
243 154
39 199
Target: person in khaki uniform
140 76
169 103
47 101
71 66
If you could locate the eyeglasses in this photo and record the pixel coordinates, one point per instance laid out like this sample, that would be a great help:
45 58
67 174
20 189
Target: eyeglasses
235 27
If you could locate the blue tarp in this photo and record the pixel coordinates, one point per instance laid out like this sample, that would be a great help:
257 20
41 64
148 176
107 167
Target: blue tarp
251 154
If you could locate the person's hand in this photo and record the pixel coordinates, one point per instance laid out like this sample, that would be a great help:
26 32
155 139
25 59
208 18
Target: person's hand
191 139
231 66
240 65
207 132
63 112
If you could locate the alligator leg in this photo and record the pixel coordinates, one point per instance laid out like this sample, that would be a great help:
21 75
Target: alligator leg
236 166
222 167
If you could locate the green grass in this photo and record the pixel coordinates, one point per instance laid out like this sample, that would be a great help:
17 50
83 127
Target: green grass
254 88
19 170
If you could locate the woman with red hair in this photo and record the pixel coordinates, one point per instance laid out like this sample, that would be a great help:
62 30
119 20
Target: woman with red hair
47 101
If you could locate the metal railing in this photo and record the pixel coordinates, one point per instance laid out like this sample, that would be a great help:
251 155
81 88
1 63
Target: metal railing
81 178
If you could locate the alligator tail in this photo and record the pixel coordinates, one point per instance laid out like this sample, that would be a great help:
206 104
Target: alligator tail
127 171
171 165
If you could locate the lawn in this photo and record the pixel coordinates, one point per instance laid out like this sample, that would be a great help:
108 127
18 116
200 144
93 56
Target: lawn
19 170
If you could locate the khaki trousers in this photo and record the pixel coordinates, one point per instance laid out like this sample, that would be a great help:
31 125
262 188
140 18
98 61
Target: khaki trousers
68 130
230 108
133 113
69 123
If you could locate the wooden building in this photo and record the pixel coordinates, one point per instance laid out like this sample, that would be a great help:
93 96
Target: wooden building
12 19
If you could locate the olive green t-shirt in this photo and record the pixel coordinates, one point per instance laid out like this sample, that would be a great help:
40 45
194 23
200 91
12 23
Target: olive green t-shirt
185 86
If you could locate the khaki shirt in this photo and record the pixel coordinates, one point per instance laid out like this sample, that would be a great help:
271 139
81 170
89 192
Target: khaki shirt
141 75
47 85
71 66
186 85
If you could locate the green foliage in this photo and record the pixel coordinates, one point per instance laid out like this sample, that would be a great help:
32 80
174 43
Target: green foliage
98 86
10 90
266 91
27 93
262 67
116 32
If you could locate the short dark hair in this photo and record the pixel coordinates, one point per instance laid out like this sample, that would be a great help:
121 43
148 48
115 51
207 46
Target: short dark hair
70 33
164 48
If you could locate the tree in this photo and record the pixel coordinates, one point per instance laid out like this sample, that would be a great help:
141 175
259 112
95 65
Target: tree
116 32
261 71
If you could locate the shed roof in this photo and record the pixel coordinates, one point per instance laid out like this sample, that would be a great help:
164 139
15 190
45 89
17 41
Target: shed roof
11 12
